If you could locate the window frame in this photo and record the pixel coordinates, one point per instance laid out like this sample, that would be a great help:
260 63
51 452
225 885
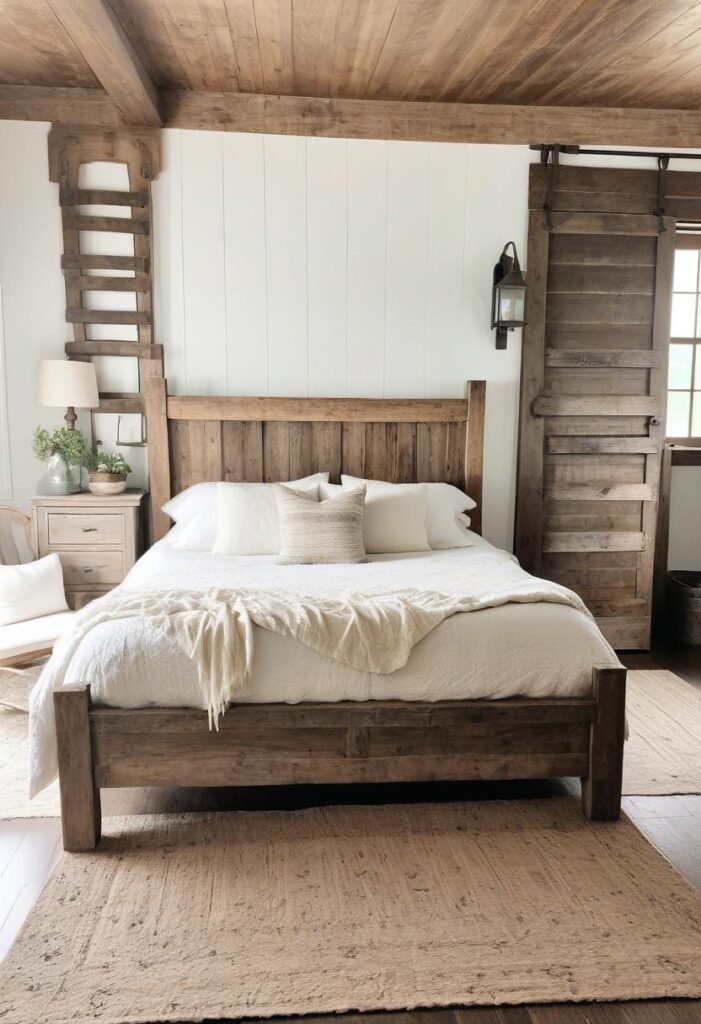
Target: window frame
693 242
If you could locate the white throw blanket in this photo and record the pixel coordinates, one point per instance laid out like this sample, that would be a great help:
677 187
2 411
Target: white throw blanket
369 632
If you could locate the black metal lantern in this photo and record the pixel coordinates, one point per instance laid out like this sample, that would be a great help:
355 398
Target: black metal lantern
508 295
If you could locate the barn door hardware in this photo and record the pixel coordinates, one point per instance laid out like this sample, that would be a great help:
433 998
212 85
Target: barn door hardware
662 166
550 157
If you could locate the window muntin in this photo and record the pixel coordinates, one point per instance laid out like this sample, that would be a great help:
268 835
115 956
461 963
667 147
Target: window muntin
684 380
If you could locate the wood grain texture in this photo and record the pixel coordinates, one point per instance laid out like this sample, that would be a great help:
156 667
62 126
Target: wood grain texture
594 422
80 797
309 410
158 454
105 47
269 439
97 539
602 783
427 121
139 151
384 741
613 56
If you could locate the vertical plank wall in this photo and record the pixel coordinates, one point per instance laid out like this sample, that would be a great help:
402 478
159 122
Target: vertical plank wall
292 266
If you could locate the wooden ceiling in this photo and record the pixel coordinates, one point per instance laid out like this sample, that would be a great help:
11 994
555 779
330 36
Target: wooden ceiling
628 54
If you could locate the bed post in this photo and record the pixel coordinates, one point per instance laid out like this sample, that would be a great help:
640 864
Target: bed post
601 786
80 798
156 390
474 449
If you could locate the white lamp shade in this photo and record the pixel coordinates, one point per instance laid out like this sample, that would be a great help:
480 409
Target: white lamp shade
63 382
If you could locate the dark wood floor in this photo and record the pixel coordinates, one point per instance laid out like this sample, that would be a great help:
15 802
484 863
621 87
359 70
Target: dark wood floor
29 849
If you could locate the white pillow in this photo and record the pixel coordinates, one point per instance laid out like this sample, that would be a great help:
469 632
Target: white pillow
445 504
395 515
194 512
247 517
31 591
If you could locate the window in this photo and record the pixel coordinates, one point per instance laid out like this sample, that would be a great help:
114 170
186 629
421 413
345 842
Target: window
684 396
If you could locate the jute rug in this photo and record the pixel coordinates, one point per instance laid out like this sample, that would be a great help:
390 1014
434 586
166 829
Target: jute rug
663 752
353 908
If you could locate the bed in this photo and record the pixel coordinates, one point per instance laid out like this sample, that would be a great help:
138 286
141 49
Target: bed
486 695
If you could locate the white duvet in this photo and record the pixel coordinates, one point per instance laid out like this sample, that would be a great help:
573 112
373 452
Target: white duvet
531 649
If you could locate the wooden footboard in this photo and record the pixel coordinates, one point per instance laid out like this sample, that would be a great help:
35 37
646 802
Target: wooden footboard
372 741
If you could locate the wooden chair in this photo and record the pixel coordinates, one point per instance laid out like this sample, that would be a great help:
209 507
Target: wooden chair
24 642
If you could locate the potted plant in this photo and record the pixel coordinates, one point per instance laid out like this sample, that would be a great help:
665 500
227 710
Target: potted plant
64 451
107 472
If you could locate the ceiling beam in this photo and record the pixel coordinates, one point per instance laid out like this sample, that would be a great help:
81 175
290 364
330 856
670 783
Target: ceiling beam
63 106
105 47
368 119
431 122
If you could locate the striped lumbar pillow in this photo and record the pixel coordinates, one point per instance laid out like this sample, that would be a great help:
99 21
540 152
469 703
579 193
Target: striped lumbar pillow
320 531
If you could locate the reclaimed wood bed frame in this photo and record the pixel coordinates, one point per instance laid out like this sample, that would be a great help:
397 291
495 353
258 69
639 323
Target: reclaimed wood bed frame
209 438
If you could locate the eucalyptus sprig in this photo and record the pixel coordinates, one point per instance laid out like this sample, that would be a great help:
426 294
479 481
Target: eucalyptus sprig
71 445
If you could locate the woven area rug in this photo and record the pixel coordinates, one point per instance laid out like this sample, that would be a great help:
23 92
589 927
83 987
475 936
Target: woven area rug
663 752
15 687
353 908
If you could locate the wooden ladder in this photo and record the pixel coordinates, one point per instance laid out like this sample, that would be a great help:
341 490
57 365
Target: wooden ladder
140 151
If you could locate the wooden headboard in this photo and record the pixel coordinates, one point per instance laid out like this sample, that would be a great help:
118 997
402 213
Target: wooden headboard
196 438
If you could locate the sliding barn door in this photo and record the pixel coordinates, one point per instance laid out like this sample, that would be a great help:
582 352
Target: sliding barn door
593 396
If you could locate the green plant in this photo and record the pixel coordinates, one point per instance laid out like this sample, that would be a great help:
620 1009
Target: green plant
107 462
71 445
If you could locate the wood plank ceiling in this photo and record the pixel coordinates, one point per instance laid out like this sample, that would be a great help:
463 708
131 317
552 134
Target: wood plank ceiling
622 53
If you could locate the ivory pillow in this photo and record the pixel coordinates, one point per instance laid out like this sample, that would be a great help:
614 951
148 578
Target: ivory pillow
194 512
247 517
445 504
312 532
31 591
395 516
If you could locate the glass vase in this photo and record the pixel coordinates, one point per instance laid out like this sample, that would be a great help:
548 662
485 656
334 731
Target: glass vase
62 477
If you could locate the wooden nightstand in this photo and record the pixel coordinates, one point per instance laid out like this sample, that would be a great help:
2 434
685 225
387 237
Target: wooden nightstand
98 539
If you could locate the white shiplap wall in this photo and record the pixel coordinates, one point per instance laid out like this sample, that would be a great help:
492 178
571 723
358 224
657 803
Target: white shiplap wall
297 266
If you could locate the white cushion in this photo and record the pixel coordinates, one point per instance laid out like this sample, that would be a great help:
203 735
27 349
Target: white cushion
32 590
194 512
395 516
247 517
446 505
34 634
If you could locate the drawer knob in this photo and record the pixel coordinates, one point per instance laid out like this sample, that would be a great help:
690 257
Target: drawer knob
87 568
89 529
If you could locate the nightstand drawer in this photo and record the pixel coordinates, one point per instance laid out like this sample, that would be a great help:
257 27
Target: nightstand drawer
77 528
92 567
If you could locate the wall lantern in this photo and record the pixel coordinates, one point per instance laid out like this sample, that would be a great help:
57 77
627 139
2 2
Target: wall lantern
508 295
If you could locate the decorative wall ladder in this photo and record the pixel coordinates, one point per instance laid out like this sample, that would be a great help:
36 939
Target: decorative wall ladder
139 150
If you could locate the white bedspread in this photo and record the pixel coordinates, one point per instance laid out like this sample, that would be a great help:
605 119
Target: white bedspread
532 649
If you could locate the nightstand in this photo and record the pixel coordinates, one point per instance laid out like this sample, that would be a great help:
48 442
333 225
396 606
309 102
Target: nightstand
98 539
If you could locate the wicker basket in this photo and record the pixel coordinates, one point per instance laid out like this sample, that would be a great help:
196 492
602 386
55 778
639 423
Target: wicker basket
684 604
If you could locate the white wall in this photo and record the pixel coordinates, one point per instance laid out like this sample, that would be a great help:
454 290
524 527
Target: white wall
296 266
33 296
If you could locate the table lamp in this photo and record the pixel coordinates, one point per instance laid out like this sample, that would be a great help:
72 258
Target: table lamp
67 383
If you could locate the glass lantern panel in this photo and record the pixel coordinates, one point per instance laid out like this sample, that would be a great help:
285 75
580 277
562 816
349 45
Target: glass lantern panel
512 304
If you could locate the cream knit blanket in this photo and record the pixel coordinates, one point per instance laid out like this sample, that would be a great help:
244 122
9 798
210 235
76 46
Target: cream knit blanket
370 633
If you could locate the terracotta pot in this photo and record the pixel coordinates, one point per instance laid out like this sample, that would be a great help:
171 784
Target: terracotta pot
107 483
